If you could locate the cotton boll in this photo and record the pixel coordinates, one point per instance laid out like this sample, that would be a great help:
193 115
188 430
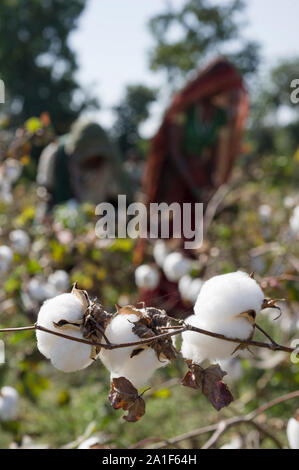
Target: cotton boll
225 296
176 266
160 252
20 241
9 399
13 169
222 307
189 288
60 280
235 443
293 432
294 221
65 355
147 277
6 256
184 286
39 290
137 369
91 442
265 213
233 367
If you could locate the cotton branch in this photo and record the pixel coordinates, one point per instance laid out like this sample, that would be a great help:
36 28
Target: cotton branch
273 346
221 427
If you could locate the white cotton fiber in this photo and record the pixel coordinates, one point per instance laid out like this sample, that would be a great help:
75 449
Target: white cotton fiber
160 252
228 295
147 277
65 355
6 256
294 221
137 369
20 241
176 266
293 433
9 399
219 303
189 288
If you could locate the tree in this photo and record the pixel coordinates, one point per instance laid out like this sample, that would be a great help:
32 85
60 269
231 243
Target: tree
204 30
130 114
36 62
269 132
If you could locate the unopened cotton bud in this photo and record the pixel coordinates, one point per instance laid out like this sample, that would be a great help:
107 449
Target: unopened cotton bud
20 241
160 252
176 266
293 432
65 354
9 399
6 256
137 369
227 305
147 277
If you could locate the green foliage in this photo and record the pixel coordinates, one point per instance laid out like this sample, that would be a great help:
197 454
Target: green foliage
130 114
202 29
36 62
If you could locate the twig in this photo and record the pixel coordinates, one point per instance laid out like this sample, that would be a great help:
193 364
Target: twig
224 425
271 346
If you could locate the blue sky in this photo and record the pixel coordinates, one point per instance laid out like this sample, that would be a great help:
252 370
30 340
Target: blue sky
112 45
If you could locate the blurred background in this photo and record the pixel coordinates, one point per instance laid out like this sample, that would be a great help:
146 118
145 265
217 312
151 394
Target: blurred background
178 100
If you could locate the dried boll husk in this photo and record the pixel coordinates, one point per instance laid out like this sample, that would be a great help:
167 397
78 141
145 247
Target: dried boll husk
137 363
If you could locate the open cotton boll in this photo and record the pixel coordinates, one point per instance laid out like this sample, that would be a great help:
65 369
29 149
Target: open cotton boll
160 252
40 290
65 354
293 432
176 266
189 288
147 277
227 295
60 280
233 367
137 369
13 169
227 305
9 399
235 443
20 241
294 221
6 256
265 213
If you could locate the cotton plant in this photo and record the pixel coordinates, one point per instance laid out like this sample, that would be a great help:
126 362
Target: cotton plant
132 343
9 399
